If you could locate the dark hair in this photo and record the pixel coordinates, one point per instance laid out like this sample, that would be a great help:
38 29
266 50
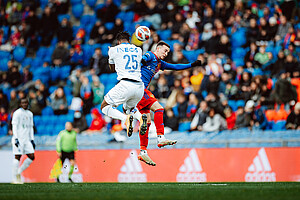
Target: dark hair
162 43
123 35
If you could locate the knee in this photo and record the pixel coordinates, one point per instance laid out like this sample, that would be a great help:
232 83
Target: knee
103 104
31 157
17 157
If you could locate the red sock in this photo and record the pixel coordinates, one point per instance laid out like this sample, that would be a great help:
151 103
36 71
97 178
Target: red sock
159 121
144 138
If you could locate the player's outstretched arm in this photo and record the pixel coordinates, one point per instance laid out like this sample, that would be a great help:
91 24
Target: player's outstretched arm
180 66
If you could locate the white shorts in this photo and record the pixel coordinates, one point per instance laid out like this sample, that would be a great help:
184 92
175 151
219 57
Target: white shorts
24 148
125 92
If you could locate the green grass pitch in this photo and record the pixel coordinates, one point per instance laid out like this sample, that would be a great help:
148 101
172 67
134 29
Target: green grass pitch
206 191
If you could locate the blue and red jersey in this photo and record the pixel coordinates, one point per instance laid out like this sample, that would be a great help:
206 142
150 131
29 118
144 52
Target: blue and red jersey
154 64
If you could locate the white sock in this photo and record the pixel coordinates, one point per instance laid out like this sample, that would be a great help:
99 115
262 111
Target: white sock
25 164
15 167
114 113
161 137
136 114
143 151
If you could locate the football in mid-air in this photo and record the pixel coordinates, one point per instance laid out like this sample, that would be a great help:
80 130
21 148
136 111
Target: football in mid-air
142 33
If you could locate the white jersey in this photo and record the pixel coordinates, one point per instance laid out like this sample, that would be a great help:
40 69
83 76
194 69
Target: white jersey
127 60
22 125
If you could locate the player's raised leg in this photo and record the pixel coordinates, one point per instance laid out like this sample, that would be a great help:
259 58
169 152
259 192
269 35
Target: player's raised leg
159 123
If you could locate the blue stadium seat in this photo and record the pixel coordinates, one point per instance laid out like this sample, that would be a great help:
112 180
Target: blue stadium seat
77 10
19 53
91 3
164 34
89 119
192 55
109 25
47 111
3 64
104 48
232 104
184 126
279 126
74 2
61 17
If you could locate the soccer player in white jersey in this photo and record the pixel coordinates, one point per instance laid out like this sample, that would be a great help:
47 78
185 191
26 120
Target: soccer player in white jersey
125 59
22 140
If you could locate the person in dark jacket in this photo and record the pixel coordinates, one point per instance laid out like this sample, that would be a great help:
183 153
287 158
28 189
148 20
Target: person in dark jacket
293 120
98 62
284 91
65 32
48 26
60 54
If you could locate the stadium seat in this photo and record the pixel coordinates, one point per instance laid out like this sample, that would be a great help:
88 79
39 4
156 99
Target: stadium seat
109 25
19 53
3 64
61 17
91 3
89 119
184 126
164 34
75 2
279 126
47 111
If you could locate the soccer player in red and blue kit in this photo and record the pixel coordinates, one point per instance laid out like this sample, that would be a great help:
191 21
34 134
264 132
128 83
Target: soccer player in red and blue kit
152 62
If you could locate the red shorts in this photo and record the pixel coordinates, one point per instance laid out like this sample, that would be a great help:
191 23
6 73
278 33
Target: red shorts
146 102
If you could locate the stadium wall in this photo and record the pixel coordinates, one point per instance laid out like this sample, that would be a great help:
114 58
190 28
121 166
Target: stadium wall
173 165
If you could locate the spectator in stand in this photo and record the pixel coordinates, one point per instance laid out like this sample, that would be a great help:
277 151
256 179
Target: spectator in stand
48 26
94 32
102 35
177 23
98 62
118 26
170 121
26 76
59 102
261 57
200 117
207 34
192 106
253 31
224 46
75 78
279 65
65 32
293 120
3 117
194 40
273 28
14 77
98 90
60 54
240 118
108 12
214 122
180 109
230 118
79 122
98 123
244 85
284 91
76 56
86 94
283 27
35 106
291 65
13 102
213 84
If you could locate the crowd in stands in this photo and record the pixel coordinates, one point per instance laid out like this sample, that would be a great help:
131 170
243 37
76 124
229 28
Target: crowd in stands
53 53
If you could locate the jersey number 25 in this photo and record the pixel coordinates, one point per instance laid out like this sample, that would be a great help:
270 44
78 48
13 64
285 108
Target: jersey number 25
131 60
